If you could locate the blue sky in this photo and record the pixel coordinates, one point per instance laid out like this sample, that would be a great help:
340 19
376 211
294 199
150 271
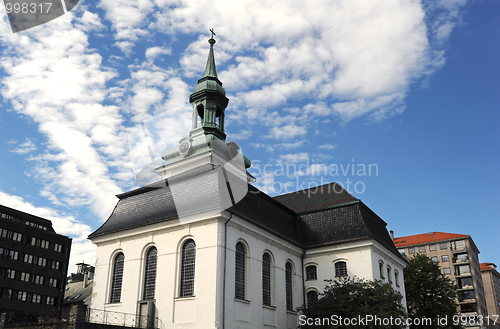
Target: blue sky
406 88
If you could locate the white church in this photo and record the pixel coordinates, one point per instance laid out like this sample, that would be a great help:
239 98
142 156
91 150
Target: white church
203 248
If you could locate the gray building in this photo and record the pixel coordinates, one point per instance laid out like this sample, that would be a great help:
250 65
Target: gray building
33 264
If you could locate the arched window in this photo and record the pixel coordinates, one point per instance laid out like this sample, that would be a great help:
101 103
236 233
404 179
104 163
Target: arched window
187 268
311 272
117 279
289 286
266 279
150 274
340 269
312 298
239 280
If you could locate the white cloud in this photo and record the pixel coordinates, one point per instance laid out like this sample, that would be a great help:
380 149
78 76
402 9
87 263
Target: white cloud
327 147
26 147
153 52
294 157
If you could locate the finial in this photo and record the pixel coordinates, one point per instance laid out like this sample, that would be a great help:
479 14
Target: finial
211 41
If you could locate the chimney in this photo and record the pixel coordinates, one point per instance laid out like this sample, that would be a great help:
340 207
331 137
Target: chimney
392 234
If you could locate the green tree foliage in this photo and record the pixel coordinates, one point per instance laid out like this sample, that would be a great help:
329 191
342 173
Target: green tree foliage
351 298
429 293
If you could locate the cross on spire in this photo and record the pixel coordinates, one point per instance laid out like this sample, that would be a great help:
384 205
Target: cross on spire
213 33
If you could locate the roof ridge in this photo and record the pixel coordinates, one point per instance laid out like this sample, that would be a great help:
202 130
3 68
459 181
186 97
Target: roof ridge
316 187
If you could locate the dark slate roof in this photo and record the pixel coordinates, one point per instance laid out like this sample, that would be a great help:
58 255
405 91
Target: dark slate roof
316 198
308 218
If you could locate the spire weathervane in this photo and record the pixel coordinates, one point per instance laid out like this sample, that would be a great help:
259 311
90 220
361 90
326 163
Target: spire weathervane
211 41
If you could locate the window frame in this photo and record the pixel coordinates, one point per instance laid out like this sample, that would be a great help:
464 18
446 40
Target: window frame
289 284
308 300
267 282
116 285
150 273
336 269
315 266
240 270
187 279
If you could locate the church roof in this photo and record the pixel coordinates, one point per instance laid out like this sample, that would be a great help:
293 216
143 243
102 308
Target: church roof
307 218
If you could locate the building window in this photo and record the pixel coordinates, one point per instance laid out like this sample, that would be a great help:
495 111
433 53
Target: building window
311 272
446 270
116 284
25 277
266 279
53 283
312 298
187 268
389 278
432 247
402 251
289 286
55 265
381 269
411 250
434 258
49 300
239 280
396 278
150 274
340 269
57 247
443 246
421 249
444 258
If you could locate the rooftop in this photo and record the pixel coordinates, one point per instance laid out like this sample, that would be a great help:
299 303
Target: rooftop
413 240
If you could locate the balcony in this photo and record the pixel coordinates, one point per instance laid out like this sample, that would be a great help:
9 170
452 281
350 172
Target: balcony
466 300
461 260
456 250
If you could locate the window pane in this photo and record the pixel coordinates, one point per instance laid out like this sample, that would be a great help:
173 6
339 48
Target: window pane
411 250
116 284
443 246
311 272
421 249
150 274
340 269
444 258
187 270
266 279
432 247
239 282
312 298
289 286
446 270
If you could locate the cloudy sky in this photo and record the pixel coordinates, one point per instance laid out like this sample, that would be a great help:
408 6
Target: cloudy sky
395 99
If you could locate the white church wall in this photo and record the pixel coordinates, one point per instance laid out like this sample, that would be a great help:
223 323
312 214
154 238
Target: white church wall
173 311
251 313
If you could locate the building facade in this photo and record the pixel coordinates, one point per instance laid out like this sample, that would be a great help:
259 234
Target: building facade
457 255
203 248
491 282
33 263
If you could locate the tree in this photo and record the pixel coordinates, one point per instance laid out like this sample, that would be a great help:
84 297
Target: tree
429 293
355 303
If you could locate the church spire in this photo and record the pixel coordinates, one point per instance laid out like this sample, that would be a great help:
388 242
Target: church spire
210 70
209 100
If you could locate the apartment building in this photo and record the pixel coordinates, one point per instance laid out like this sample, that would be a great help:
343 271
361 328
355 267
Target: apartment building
491 282
457 255
33 264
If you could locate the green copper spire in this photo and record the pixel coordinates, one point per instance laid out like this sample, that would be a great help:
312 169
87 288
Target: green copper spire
209 81
210 70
